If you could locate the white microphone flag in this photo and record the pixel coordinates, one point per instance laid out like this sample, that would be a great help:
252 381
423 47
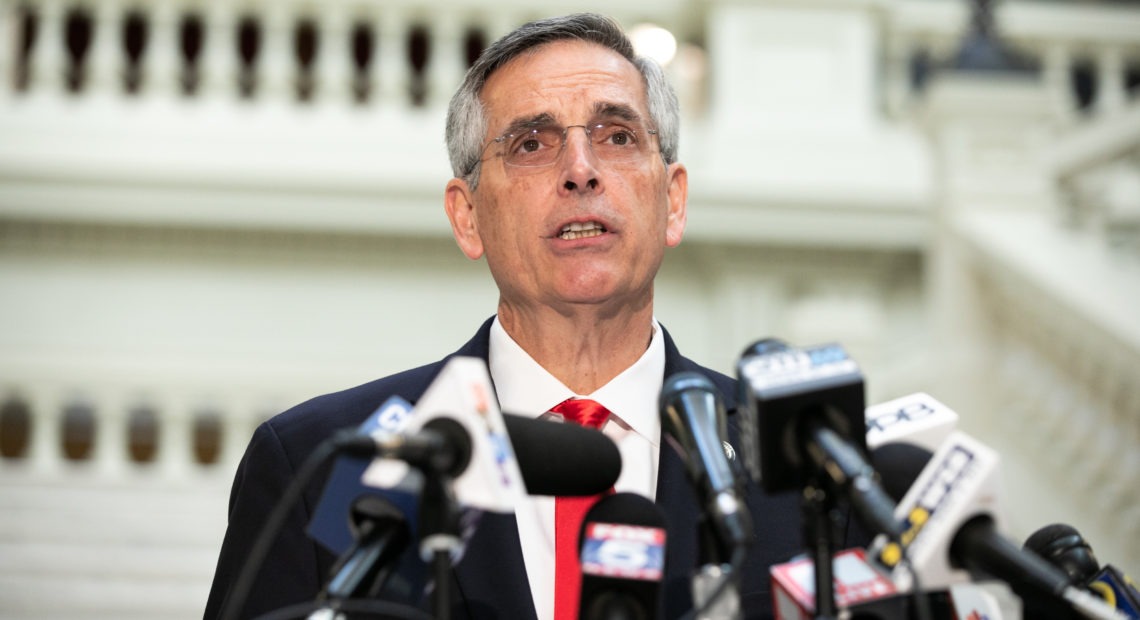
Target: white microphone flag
463 392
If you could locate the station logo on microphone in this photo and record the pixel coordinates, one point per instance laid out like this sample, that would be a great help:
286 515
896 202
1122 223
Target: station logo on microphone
623 551
952 472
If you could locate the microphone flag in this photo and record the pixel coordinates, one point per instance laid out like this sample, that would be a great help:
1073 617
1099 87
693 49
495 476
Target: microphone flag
462 391
330 525
917 419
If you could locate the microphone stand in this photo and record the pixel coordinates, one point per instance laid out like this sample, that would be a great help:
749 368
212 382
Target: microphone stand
714 589
817 508
362 571
440 542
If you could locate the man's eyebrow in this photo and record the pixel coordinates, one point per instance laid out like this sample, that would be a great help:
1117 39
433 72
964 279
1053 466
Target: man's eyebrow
602 109
606 109
525 123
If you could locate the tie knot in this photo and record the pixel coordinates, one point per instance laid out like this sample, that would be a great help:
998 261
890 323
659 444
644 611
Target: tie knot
583 411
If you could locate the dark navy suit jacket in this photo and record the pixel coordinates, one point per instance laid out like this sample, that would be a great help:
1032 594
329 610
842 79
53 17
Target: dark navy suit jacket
490 581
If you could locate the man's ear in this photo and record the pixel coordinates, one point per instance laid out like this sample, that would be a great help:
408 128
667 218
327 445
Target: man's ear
460 207
678 204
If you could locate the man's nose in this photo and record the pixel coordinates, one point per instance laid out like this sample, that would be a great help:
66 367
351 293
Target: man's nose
578 161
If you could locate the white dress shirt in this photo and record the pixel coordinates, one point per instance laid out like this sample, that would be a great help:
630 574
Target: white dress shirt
526 388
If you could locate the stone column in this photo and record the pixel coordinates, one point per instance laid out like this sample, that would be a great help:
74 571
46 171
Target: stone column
987 131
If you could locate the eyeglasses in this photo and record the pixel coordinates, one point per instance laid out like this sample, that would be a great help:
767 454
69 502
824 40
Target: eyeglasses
534 147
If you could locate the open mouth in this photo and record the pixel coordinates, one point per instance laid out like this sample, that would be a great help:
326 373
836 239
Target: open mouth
581 230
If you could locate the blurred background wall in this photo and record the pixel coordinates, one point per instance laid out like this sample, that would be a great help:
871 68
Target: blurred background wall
211 210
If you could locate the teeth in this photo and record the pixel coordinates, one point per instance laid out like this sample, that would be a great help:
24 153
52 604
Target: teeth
579 230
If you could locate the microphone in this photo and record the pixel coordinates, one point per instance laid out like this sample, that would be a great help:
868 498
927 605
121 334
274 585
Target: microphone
559 459
555 459
441 446
622 543
1064 547
694 419
807 407
461 392
950 518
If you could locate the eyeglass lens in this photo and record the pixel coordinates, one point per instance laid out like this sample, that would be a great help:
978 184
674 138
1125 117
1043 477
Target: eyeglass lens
541 146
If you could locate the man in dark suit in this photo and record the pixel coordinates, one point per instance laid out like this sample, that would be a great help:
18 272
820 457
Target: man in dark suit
574 226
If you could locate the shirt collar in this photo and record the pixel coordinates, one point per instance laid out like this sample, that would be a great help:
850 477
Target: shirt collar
526 388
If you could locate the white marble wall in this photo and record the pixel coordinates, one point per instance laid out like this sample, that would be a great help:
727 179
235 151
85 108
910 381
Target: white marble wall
213 255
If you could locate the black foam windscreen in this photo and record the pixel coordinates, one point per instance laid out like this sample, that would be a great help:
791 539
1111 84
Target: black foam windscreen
1064 547
627 509
622 543
457 455
899 464
562 459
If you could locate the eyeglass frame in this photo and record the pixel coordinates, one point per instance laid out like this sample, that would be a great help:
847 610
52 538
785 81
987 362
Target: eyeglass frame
543 121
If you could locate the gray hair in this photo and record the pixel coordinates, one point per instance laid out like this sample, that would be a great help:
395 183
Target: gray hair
467 124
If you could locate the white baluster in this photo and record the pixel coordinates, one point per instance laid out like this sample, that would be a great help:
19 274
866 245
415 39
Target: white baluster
106 58
1096 456
9 39
500 23
277 61
47 61
109 455
1056 414
333 68
175 437
1118 496
238 423
219 62
1130 533
392 60
896 82
445 60
45 454
1106 493
1058 63
160 65
1111 93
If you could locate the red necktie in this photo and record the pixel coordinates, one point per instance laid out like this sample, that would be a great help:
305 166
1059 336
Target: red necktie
568 515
